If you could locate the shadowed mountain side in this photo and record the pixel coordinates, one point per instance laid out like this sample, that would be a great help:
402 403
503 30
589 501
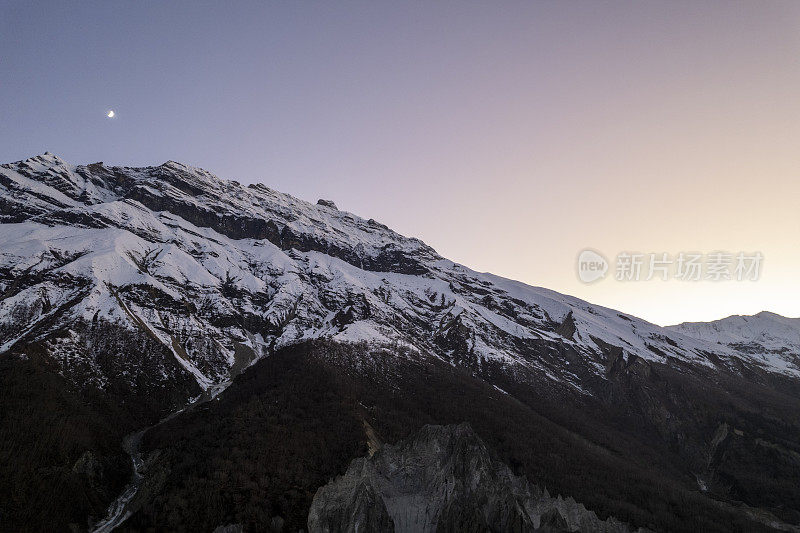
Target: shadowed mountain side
296 419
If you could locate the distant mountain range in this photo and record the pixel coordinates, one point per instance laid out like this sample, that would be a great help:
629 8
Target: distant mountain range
132 297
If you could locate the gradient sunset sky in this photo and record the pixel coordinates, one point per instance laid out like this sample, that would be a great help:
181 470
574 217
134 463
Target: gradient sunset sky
509 136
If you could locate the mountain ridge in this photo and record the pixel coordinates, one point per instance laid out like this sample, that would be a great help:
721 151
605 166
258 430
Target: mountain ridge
139 291
162 209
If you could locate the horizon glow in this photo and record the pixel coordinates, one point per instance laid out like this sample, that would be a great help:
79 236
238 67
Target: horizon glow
508 137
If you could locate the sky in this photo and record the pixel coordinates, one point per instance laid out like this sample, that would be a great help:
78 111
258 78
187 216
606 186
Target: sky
510 136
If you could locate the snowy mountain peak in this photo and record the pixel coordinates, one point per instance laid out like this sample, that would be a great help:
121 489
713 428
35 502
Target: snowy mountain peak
208 268
47 157
765 335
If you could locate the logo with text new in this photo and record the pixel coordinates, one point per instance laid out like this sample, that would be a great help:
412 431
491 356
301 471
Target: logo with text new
591 266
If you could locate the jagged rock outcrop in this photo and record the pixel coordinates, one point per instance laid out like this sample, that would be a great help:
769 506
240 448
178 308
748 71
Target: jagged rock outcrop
443 479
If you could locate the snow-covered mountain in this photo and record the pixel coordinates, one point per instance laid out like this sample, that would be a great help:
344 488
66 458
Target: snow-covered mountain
212 269
769 337
129 297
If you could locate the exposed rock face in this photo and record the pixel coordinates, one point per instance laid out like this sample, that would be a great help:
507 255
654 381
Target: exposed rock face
443 479
327 203
233 528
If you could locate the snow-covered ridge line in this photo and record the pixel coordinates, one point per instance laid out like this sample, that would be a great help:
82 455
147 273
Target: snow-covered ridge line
214 269
255 211
765 336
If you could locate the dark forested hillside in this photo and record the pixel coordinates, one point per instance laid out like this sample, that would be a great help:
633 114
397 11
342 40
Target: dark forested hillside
60 454
257 454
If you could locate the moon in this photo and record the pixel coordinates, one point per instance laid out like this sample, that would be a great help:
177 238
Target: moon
110 113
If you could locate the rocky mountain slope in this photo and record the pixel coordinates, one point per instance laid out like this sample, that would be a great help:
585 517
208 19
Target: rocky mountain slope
443 479
135 291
